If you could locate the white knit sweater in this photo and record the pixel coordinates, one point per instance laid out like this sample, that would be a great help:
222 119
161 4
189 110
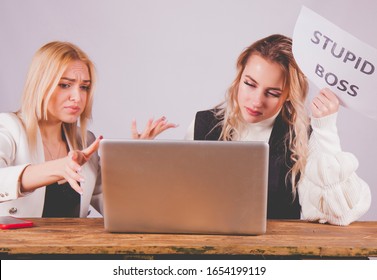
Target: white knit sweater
329 191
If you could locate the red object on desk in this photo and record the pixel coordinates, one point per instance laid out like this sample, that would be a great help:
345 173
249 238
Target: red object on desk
9 222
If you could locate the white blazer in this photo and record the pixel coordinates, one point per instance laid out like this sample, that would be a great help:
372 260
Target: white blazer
15 156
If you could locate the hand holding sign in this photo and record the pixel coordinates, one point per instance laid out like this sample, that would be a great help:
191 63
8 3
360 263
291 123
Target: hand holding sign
324 104
330 57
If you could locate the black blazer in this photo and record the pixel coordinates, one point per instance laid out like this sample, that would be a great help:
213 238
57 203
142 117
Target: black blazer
281 203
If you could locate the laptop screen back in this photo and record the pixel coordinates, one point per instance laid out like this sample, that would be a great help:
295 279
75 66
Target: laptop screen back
204 187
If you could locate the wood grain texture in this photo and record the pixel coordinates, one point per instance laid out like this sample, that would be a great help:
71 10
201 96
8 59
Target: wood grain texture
283 238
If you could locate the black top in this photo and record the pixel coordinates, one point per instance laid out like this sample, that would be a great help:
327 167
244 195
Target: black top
61 201
281 203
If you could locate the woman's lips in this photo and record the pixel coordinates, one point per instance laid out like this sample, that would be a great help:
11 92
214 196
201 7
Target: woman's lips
73 109
253 112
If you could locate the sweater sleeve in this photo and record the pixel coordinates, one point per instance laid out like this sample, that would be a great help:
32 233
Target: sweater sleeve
330 190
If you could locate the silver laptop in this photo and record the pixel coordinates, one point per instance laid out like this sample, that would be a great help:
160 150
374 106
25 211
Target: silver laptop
201 187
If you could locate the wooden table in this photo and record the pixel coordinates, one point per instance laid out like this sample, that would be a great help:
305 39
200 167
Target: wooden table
72 238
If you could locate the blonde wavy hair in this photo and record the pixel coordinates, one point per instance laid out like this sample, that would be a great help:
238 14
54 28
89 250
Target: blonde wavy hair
45 72
278 49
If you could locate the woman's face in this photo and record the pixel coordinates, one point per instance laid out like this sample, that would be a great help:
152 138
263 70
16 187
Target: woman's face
260 92
69 97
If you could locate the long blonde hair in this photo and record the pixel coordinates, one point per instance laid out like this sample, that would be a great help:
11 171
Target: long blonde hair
46 69
275 48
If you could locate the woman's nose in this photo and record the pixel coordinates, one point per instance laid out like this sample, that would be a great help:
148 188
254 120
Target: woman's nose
75 94
258 99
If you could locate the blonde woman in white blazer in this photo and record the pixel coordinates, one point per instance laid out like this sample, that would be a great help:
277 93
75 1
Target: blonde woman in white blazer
48 160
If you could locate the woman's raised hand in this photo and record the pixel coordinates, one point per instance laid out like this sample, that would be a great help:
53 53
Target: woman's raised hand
152 129
75 160
324 104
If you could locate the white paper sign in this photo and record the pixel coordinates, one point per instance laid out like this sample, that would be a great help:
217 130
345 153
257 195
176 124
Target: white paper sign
333 58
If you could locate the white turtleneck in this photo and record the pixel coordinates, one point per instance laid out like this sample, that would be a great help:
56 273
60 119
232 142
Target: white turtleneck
260 131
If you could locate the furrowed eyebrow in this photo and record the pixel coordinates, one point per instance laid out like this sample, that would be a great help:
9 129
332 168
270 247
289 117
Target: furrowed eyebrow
74 80
254 81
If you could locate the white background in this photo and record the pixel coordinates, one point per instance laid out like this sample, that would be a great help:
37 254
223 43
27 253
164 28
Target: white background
104 269
171 57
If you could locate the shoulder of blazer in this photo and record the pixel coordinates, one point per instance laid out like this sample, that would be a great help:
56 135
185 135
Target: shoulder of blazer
207 125
12 124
